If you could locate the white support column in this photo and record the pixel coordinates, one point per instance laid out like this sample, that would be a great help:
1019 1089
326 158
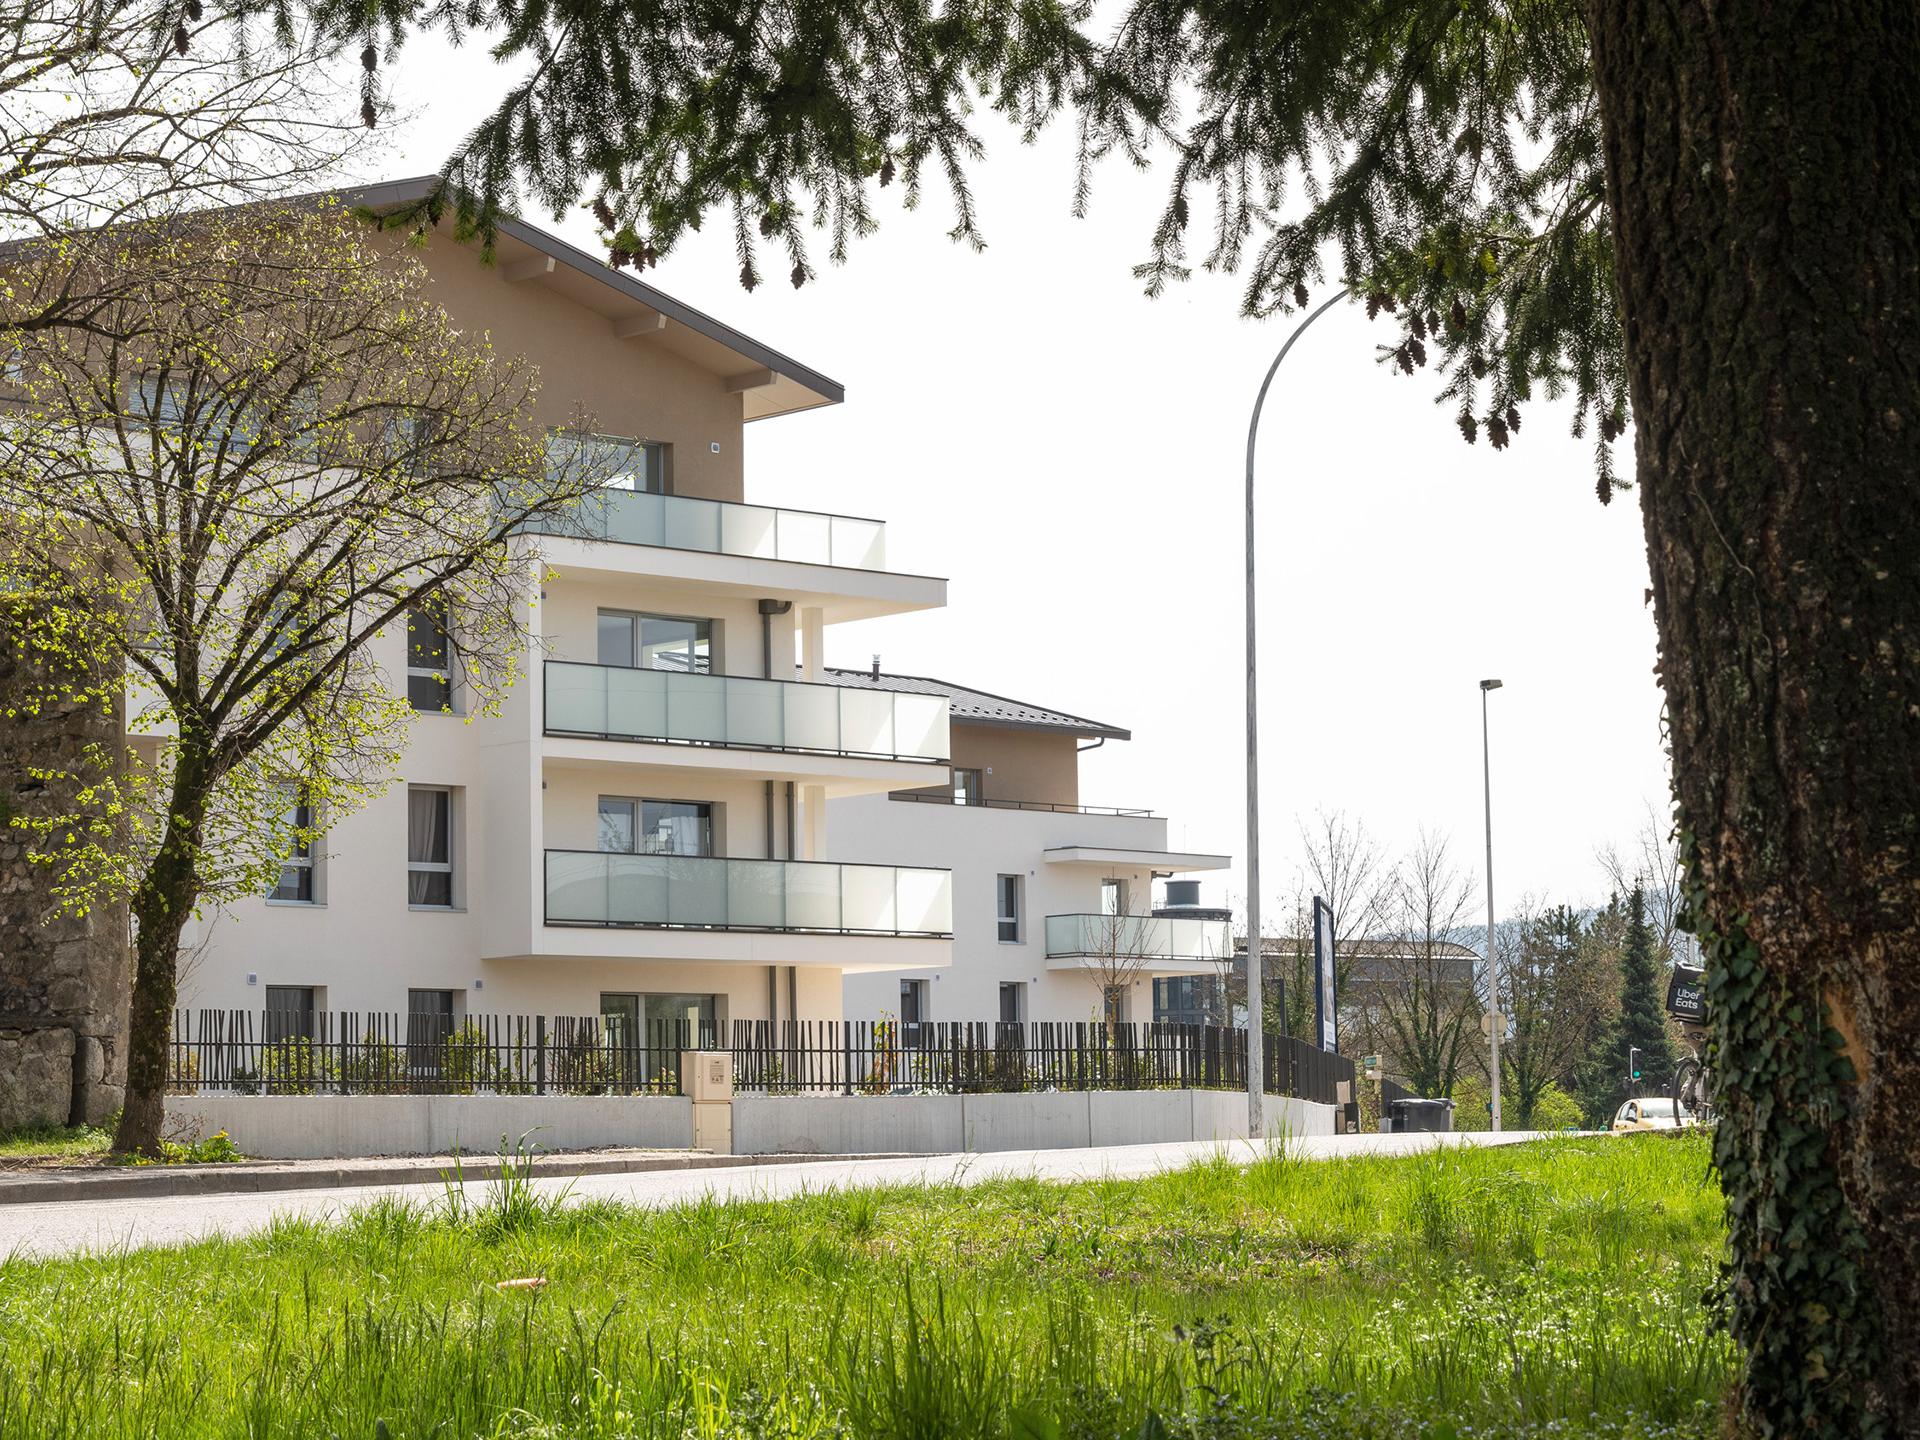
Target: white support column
813 822
813 627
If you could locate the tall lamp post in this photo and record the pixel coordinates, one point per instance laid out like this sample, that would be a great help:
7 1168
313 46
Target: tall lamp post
1256 1009
1494 1017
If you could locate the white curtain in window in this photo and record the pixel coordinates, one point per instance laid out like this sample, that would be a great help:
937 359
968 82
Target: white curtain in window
426 845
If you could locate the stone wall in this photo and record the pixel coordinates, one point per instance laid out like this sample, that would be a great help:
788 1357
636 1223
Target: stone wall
64 980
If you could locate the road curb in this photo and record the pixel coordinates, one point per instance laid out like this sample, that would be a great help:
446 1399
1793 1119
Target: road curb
160 1182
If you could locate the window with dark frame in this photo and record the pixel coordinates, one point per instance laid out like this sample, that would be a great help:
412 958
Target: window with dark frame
290 1013
615 462
631 826
632 639
429 658
1013 1002
966 786
429 847
1007 888
429 1027
295 886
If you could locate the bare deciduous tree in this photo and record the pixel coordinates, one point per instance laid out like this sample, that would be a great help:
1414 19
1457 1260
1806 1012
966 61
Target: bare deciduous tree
1652 862
1559 987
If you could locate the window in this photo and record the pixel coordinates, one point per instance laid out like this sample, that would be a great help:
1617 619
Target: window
429 657
966 787
429 847
290 1013
1007 888
1113 897
656 642
296 871
655 827
429 1027
615 461
1185 1000
1013 1002
913 1002
159 402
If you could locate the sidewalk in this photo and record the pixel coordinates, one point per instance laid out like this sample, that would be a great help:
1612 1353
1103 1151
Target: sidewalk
126 1182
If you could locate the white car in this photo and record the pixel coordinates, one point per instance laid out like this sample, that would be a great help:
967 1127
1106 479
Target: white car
1650 1112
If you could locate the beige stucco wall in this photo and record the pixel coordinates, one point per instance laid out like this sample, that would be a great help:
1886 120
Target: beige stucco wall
1025 764
629 387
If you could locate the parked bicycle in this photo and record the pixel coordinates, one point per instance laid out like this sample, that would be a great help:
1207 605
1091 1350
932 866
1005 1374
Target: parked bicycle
1692 1078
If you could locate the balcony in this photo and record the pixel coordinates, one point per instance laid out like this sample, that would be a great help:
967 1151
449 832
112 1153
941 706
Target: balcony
725 527
610 702
1148 943
592 888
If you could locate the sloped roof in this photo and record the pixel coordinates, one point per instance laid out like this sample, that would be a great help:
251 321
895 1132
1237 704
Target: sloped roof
968 706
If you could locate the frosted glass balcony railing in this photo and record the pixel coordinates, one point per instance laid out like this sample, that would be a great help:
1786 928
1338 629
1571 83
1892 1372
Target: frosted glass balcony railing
724 527
1128 938
588 887
615 702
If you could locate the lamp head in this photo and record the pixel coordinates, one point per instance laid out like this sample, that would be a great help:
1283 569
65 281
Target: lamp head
1490 684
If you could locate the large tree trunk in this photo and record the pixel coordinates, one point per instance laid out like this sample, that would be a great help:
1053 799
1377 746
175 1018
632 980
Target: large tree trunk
1765 189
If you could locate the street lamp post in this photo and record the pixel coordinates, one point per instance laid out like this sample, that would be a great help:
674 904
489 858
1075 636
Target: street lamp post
1256 1010
1494 1018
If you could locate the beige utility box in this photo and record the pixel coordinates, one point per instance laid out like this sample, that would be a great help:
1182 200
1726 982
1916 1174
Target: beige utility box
707 1076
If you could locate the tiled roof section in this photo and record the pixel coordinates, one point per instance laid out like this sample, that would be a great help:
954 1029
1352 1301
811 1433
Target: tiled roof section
981 707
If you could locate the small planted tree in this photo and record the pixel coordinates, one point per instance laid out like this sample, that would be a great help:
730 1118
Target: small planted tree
255 464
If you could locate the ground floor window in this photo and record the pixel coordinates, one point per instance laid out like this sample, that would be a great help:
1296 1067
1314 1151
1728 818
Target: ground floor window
429 1027
1013 1002
290 1013
1186 1000
635 1020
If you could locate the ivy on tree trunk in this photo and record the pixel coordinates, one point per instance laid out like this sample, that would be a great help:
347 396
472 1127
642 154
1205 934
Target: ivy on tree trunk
1764 188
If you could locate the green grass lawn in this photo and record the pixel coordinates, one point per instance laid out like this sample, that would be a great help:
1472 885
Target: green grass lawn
1547 1289
54 1145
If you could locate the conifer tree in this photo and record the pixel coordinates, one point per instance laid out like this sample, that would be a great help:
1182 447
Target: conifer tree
1638 1039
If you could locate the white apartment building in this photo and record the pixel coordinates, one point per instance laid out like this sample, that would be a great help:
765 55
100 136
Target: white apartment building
1054 902
642 833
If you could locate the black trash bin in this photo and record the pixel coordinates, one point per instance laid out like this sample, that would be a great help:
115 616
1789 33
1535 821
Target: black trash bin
1420 1117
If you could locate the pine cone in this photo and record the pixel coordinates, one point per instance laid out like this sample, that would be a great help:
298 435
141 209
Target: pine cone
193 10
1373 303
1513 418
369 59
1418 351
1477 365
1496 432
603 212
886 172
799 276
1458 316
367 115
1300 293
180 38
1603 487
747 278
1180 211
1468 428
768 225
1417 325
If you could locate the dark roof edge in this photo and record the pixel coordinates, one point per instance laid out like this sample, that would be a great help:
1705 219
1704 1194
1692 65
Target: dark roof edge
1079 724
418 187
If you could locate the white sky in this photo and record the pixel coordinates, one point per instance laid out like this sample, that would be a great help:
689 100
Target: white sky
1069 453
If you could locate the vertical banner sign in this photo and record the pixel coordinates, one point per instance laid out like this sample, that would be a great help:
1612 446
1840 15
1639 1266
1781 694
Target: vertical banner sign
1323 996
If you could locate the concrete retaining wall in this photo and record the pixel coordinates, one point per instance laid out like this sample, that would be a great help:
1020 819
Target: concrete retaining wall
325 1127
939 1124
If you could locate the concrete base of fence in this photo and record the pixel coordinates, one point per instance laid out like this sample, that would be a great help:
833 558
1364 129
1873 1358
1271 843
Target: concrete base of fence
329 1127
1047 1120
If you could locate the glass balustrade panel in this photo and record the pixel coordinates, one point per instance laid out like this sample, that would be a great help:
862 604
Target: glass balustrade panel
813 897
925 901
752 530
756 713
859 544
696 707
805 538
757 894
576 888
576 699
866 722
920 727
637 703
813 717
692 524
867 897
696 890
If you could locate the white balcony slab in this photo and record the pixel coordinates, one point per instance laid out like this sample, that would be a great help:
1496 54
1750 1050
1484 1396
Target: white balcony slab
1113 855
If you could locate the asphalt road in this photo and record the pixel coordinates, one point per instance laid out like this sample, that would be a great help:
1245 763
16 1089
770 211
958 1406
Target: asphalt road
73 1226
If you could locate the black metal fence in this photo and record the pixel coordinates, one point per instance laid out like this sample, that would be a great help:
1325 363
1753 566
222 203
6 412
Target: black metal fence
278 1052
980 1057
341 1053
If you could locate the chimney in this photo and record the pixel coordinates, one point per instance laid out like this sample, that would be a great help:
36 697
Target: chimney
876 667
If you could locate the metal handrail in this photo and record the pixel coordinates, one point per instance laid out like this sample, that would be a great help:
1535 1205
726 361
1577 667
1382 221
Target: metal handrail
941 797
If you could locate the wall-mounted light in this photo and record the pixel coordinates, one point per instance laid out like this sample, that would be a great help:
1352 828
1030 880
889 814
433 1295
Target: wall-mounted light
479 984
252 978
714 446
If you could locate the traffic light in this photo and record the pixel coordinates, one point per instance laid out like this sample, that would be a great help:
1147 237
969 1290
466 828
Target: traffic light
1633 1062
